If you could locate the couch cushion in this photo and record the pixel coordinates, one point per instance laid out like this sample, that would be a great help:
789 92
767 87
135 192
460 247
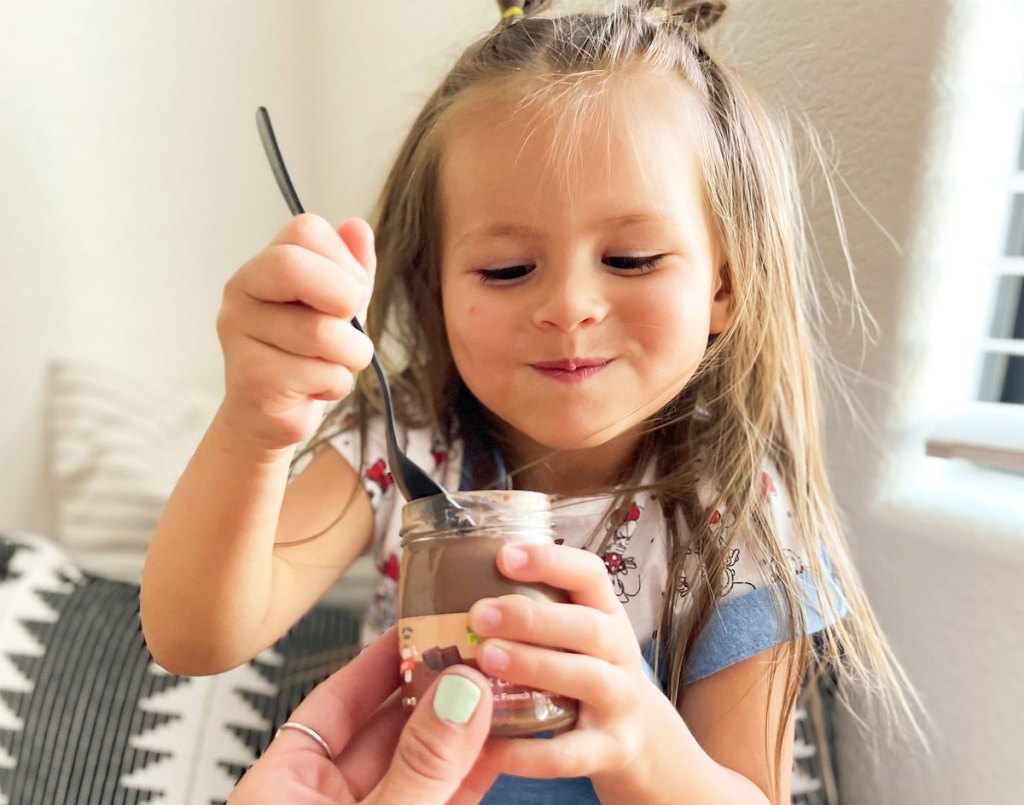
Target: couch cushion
86 716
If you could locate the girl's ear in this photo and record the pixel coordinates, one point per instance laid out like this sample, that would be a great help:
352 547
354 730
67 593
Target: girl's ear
721 302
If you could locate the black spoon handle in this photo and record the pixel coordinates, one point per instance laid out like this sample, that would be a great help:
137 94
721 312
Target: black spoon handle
412 481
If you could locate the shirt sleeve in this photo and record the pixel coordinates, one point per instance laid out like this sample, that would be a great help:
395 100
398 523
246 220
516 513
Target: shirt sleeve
750 616
374 474
425 446
748 624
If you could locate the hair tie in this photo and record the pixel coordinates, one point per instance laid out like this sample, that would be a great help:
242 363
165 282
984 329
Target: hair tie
662 13
514 9
699 15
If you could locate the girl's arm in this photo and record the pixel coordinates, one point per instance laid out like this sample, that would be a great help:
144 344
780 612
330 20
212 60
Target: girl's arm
221 582
629 738
734 716
215 589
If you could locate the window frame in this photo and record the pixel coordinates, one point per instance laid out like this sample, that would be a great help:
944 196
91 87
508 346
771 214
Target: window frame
988 432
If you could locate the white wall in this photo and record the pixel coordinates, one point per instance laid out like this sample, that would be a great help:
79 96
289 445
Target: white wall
940 546
133 185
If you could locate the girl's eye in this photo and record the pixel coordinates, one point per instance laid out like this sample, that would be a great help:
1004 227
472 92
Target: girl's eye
639 264
506 274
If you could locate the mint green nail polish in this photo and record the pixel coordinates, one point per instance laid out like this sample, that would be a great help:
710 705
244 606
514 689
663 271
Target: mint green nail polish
456 699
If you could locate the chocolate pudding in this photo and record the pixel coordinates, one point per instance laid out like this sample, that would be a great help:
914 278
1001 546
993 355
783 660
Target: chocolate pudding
446 568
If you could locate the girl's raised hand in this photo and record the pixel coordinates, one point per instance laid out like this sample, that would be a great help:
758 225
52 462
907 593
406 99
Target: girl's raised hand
285 330
585 649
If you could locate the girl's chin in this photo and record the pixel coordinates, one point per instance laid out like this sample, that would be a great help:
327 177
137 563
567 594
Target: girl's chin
566 437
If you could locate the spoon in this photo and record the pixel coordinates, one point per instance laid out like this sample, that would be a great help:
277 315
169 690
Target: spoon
412 481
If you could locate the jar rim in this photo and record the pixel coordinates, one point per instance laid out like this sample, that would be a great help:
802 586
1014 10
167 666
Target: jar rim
486 508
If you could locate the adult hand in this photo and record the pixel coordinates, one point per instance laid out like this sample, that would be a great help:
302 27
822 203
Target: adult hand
380 754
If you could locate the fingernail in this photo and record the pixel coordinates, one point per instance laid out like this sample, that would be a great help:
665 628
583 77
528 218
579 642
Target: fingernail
456 699
514 557
495 659
485 617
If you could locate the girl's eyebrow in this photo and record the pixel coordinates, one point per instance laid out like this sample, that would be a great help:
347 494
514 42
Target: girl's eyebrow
495 231
498 230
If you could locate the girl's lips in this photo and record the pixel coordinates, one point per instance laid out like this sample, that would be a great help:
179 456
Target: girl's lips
573 370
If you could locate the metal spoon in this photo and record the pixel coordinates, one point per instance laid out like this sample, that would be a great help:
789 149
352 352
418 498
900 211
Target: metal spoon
412 481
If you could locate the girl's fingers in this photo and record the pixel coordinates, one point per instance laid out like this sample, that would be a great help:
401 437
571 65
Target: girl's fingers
285 272
571 754
350 245
300 330
358 237
578 676
570 627
581 573
279 378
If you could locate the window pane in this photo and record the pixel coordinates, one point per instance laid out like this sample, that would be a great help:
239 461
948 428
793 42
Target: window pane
1020 158
1002 377
1013 385
1007 312
1015 233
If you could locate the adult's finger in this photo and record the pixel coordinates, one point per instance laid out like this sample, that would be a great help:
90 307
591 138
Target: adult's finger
338 706
441 743
368 755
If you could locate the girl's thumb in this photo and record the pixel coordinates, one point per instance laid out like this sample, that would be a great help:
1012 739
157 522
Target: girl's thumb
441 743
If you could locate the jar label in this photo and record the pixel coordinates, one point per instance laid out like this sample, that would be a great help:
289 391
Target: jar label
430 643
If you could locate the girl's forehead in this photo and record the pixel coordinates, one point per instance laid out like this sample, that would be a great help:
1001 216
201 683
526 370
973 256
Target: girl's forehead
585 137
568 107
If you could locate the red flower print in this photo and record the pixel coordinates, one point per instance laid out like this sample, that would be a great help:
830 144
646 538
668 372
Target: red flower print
632 515
767 486
439 450
715 518
378 473
390 567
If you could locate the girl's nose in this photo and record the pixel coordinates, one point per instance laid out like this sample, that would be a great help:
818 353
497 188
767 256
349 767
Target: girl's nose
570 299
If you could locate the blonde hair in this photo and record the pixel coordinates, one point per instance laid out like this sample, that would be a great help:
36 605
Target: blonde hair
754 401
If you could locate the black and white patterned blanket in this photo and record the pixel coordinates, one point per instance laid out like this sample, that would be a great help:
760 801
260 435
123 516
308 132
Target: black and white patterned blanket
86 716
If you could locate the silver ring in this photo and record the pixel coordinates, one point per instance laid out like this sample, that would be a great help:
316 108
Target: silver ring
295 725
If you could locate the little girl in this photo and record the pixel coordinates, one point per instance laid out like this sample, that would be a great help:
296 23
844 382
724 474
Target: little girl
590 268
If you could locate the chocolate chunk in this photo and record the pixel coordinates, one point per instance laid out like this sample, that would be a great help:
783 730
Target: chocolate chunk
451 656
437 659
433 659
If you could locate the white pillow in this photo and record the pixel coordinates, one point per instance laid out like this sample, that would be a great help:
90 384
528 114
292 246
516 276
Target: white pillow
118 445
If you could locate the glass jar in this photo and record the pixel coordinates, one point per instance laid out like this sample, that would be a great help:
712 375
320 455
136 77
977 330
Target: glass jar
447 565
